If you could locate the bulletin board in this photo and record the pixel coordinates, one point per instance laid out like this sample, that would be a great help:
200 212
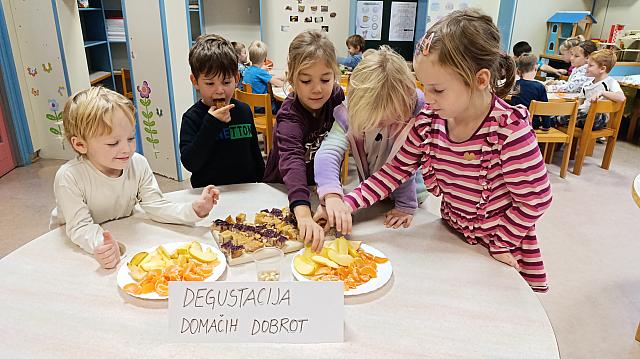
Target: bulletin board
39 63
375 23
440 8
283 20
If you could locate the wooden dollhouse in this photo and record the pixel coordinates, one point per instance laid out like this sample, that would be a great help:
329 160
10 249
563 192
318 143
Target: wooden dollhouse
565 24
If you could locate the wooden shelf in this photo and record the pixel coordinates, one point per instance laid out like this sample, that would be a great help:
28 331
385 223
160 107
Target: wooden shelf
94 43
89 9
98 76
118 41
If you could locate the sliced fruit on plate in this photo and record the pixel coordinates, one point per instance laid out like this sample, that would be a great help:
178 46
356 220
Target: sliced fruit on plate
156 263
138 258
340 258
163 252
195 250
326 261
304 265
136 272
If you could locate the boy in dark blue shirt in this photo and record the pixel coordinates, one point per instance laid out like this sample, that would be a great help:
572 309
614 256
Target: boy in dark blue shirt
218 140
527 89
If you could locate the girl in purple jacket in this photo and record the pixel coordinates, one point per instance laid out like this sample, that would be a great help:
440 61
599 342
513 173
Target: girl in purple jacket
384 100
305 118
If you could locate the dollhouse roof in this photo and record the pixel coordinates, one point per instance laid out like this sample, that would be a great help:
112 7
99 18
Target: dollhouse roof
571 17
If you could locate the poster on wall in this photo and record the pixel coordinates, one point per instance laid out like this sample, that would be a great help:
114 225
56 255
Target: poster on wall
403 21
369 20
441 8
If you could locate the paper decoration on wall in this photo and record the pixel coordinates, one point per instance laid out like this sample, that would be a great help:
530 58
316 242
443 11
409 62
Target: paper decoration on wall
159 112
318 19
47 68
325 28
308 19
449 6
35 92
60 89
293 19
32 71
324 8
439 9
300 8
288 8
149 123
314 8
367 14
403 21
56 118
332 15
285 28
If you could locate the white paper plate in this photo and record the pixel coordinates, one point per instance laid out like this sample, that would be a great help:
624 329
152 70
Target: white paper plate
124 278
384 273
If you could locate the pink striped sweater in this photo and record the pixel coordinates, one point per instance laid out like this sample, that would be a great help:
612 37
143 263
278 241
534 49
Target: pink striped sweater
494 185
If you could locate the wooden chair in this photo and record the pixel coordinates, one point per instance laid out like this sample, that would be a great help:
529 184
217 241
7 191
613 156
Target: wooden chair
586 136
125 76
344 82
263 121
554 136
419 85
247 87
344 172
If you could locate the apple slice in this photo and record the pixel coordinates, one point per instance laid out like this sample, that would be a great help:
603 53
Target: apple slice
163 252
153 264
136 272
205 257
343 245
326 261
303 265
137 259
342 259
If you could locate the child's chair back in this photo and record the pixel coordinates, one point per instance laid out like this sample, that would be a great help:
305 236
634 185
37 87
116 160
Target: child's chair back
263 122
247 87
125 77
553 136
587 136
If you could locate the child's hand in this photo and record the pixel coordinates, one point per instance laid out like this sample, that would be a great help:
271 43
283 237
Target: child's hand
396 218
209 198
596 97
222 113
338 213
562 72
310 232
108 254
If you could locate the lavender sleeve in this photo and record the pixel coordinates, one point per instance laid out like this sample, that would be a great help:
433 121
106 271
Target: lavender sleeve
328 161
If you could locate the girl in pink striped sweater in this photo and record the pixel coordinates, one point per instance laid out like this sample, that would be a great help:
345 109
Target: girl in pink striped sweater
475 150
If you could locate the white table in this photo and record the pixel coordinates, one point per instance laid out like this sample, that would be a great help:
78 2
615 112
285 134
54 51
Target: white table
446 299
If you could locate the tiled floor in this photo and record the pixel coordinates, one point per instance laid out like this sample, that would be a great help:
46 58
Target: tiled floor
590 239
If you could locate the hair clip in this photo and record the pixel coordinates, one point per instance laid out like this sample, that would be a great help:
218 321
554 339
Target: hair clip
425 44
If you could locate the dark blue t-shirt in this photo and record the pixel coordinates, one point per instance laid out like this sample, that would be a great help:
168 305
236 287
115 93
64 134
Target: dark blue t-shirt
529 90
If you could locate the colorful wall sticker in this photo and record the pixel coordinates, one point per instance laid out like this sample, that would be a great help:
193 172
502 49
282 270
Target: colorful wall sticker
47 68
149 123
56 117
32 71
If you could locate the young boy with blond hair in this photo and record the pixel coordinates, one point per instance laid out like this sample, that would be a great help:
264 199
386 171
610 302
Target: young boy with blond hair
257 75
108 178
218 139
602 87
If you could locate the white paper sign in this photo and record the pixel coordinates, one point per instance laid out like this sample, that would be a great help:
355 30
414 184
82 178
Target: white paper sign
403 21
369 19
256 312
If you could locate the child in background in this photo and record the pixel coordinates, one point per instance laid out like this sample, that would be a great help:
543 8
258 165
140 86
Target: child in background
528 89
218 140
476 151
108 178
355 46
578 77
256 75
383 101
602 87
521 47
243 60
303 122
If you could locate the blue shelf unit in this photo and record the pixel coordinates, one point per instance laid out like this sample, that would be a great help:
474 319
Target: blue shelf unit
96 44
195 20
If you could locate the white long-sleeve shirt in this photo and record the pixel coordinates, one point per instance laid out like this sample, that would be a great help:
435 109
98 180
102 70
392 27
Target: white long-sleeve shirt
86 197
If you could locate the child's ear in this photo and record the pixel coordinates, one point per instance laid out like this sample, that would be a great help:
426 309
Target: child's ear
483 79
193 79
79 145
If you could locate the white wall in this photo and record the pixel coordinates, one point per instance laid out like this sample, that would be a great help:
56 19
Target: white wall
625 12
274 16
530 23
236 20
